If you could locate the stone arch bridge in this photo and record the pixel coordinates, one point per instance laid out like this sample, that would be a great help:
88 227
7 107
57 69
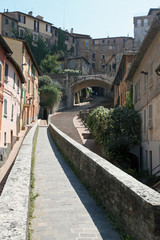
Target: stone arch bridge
73 83
76 83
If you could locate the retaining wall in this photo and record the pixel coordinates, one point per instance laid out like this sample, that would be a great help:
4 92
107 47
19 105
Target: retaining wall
135 205
14 201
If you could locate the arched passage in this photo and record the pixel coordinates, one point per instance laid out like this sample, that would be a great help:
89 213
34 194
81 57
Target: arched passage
83 82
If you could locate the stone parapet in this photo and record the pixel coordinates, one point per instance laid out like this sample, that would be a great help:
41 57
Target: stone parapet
14 201
135 205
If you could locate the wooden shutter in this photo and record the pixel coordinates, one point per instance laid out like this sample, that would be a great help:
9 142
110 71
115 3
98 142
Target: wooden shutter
150 116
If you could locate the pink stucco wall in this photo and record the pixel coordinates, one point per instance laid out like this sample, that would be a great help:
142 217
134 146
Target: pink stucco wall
13 97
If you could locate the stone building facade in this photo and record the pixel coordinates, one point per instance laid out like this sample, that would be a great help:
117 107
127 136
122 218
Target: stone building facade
145 76
120 86
141 26
106 53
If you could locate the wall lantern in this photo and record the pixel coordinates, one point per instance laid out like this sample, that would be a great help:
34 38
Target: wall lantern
157 70
143 72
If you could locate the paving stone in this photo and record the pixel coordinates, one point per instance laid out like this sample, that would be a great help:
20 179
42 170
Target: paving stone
64 210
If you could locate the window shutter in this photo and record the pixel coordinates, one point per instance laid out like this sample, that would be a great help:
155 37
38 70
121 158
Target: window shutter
6 71
34 25
37 26
145 120
150 117
12 112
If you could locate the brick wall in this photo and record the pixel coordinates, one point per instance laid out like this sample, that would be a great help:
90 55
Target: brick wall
136 205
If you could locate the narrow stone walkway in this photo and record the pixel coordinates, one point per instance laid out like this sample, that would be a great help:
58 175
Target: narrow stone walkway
64 210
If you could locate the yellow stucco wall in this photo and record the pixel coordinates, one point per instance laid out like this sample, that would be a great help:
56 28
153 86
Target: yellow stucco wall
29 24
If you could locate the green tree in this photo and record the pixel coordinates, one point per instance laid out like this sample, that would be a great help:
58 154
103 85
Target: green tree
50 64
49 96
44 80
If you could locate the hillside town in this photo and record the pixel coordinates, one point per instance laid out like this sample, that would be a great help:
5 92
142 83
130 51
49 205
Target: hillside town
124 70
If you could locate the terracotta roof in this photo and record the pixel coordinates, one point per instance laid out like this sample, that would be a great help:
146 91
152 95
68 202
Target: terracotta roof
154 29
81 35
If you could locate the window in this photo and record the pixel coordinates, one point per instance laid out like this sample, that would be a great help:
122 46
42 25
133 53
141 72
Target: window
48 28
136 93
67 37
145 124
6 21
103 66
151 74
35 37
22 18
110 47
103 56
124 40
56 33
139 23
5 107
6 34
93 42
93 55
14 80
22 93
103 41
86 44
114 40
150 116
93 64
145 22
6 72
0 72
21 33
12 112
12 24
36 26
18 86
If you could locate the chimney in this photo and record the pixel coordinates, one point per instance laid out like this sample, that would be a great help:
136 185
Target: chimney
30 13
71 30
39 17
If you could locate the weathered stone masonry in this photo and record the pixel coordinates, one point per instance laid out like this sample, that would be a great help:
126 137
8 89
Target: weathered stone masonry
14 201
136 205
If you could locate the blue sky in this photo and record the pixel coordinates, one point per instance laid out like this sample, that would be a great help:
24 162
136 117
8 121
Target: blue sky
98 18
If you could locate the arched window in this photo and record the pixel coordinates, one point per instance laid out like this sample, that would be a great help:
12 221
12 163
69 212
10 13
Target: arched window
145 22
139 22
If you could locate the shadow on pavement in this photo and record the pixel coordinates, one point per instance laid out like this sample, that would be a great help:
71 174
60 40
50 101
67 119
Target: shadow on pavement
96 212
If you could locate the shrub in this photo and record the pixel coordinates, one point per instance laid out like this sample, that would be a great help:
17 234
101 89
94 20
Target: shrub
117 130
